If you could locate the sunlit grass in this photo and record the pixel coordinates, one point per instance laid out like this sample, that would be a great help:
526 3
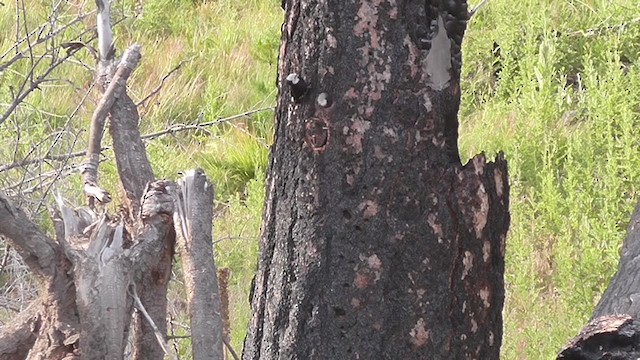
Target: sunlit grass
562 102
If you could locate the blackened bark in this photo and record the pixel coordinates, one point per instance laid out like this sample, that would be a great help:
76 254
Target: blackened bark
376 243
607 337
614 331
623 293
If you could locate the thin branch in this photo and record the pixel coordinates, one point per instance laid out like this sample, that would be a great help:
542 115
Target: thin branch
228 346
602 30
159 87
159 336
34 85
151 136
477 8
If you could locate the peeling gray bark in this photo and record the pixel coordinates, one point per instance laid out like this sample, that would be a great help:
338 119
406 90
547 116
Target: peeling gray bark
193 219
85 308
376 242
35 248
18 337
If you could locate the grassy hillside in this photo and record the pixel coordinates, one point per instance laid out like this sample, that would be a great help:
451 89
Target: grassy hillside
553 84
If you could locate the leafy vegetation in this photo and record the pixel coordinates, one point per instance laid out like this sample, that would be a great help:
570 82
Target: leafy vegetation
553 84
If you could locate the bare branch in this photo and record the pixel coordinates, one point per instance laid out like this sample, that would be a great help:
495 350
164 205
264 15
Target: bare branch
22 94
35 248
476 8
230 348
173 129
156 331
116 88
155 91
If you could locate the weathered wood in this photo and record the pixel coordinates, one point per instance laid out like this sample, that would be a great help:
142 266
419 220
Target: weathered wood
18 336
103 274
607 337
133 165
193 224
36 249
115 90
376 242
153 253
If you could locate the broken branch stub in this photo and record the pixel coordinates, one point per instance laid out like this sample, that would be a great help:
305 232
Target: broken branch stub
193 224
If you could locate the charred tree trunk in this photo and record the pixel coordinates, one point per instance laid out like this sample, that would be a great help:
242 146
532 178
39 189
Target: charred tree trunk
614 330
376 242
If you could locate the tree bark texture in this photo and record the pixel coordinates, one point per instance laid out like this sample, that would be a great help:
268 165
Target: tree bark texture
605 338
614 331
193 219
376 242
623 293
84 308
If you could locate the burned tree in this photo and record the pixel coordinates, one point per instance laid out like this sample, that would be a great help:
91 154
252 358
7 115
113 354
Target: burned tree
104 277
613 331
376 241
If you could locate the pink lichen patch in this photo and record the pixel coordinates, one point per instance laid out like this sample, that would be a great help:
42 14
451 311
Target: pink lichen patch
390 133
355 141
368 208
497 177
351 94
331 40
360 126
377 326
356 134
419 334
356 303
350 179
481 213
474 325
414 54
479 164
435 226
367 17
484 296
374 262
467 262
393 12
486 251
361 281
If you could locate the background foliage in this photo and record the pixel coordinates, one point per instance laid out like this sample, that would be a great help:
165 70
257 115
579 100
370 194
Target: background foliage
553 84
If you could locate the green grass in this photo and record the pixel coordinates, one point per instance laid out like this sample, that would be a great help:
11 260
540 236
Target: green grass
561 102
565 110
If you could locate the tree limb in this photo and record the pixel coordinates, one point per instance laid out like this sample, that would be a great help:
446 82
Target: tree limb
35 248
115 90
131 157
